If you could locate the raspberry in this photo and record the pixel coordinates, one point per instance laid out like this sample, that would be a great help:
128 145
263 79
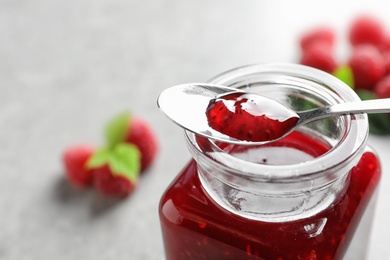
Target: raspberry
112 185
141 134
385 46
366 30
382 88
321 34
319 55
74 160
367 65
386 59
115 169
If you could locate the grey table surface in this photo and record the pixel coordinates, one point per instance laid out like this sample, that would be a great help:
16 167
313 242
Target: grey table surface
68 66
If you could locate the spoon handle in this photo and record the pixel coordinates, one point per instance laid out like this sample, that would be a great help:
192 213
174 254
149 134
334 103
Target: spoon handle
366 106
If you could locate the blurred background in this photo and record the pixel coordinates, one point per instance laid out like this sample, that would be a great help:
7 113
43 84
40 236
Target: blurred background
66 67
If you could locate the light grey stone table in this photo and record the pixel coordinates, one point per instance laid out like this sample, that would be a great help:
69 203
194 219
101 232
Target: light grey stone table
66 67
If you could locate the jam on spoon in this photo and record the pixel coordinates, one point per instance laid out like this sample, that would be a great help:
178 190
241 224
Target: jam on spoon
250 117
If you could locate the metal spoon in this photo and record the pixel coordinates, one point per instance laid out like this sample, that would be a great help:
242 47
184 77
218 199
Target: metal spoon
186 105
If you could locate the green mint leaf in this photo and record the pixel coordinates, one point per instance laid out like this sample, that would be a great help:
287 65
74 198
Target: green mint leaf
116 129
365 94
345 74
379 123
99 158
125 160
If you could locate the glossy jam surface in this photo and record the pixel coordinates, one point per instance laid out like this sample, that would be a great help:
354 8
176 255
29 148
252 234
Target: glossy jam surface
195 227
249 117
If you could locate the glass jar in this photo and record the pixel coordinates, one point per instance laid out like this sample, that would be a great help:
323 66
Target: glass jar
306 196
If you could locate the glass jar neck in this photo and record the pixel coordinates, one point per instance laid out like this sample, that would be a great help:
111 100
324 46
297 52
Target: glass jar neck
298 176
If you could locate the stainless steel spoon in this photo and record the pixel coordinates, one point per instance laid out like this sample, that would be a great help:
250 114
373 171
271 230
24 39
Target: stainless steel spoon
186 105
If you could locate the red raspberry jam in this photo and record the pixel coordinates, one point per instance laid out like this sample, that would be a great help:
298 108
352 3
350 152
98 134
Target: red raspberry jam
194 226
249 117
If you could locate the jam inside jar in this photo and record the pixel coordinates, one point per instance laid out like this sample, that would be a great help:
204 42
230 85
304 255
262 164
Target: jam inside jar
309 195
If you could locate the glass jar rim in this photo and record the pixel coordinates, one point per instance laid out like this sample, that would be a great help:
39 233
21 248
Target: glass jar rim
347 151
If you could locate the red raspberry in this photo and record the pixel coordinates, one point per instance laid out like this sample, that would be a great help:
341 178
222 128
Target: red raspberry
321 34
386 59
74 159
366 29
367 65
319 55
141 134
385 46
112 185
382 88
